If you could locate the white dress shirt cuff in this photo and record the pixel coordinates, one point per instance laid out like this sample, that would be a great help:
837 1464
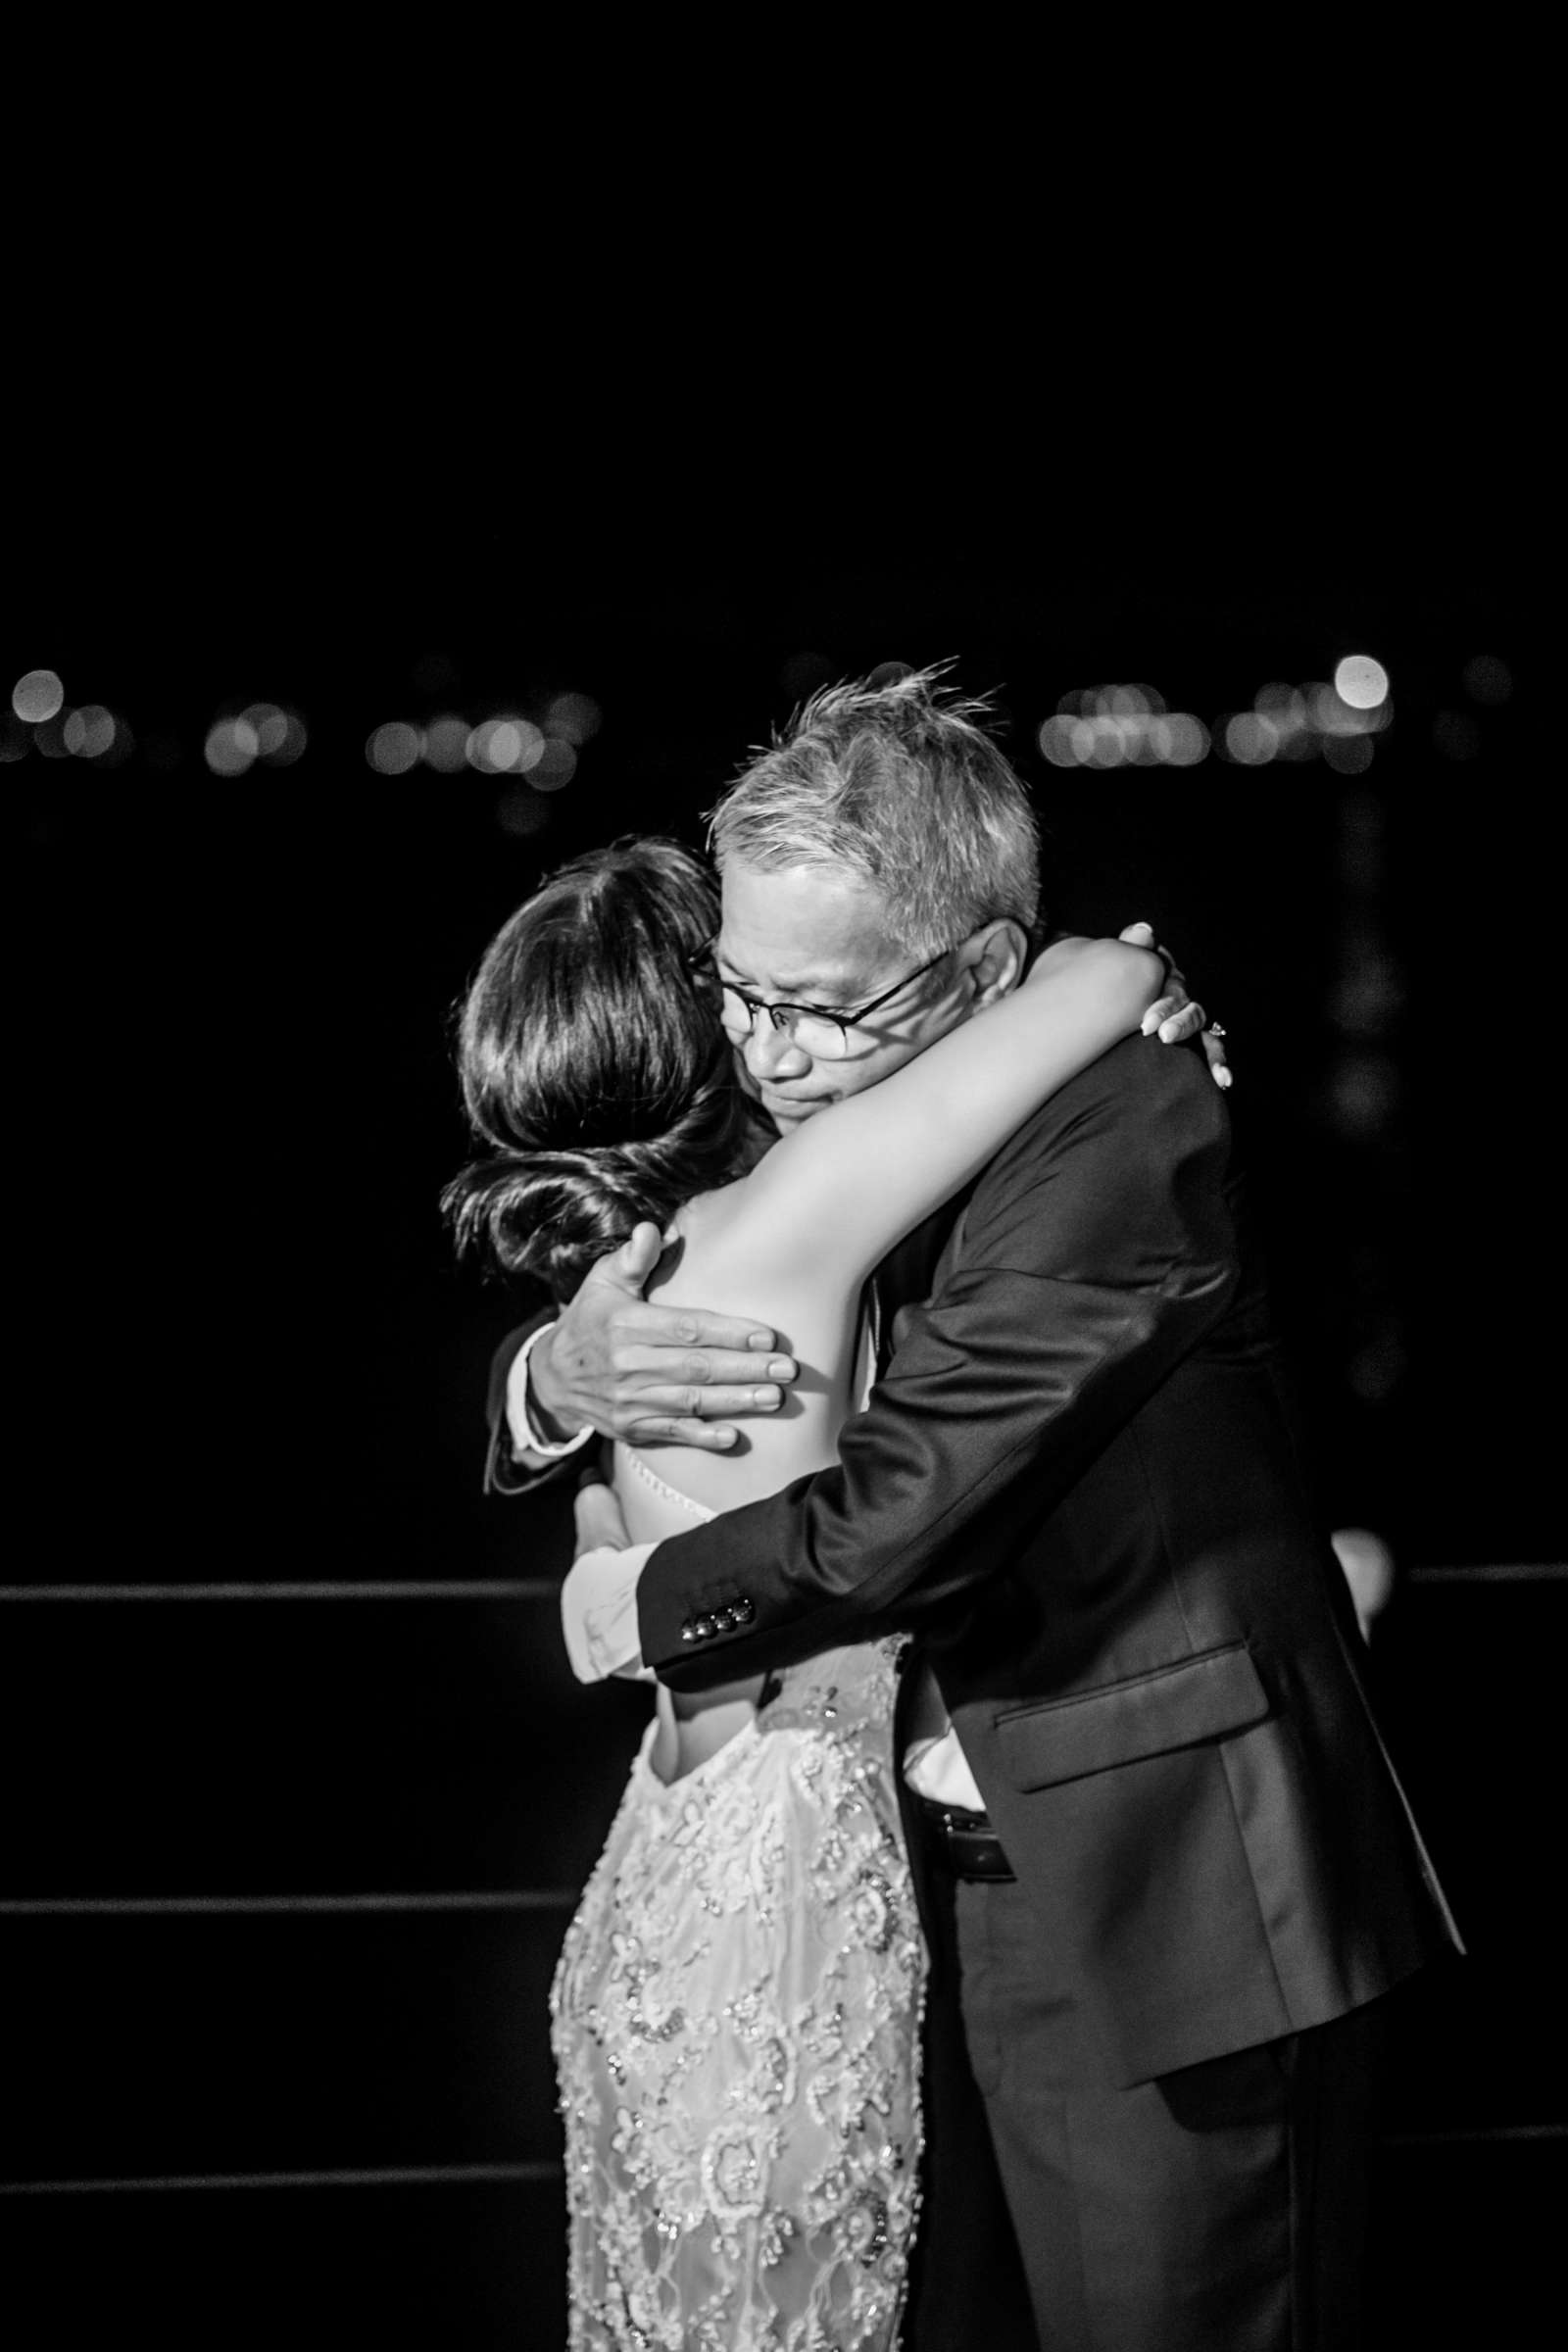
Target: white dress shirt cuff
599 1614
553 1450
939 1770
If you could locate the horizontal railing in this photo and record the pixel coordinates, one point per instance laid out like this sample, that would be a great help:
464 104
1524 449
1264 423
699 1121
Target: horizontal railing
544 1588
489 1900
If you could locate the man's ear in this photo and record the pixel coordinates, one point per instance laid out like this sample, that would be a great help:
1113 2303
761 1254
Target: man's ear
995 957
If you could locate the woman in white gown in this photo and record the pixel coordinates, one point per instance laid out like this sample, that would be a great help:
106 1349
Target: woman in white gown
736 2012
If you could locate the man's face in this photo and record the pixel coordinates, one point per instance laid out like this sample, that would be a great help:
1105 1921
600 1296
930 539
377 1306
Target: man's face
804 936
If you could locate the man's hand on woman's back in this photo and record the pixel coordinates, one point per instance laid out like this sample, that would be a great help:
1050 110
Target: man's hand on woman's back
652 1375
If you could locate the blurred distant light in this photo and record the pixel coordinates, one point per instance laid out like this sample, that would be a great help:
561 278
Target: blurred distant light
393 748
1487 680
270 726
446 744
1456 735
288 741
1106 726
521 810
1364 1092
1283 707
37 696
1330 712
505 745
1361 682
89 732
50 737
1370 989
1349 755
1250 738
1180 739
16 741
556 765
573 718
1055 741
231 747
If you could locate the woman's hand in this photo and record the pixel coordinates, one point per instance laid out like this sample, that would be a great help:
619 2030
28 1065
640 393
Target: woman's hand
1174 1017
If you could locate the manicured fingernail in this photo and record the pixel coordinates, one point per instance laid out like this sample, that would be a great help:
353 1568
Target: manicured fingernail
1222 1077
767 1400
761 1339
1148 1026
781 1368
725 1437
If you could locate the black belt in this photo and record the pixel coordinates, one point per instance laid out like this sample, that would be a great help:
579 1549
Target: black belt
963 1843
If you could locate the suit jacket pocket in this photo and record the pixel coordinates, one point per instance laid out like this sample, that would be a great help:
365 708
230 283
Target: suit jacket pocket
1199 1698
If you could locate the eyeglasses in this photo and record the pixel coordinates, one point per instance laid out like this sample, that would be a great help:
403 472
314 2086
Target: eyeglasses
823 1035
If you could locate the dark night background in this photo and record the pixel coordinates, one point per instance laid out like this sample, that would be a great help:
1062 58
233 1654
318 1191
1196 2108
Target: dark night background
245 1356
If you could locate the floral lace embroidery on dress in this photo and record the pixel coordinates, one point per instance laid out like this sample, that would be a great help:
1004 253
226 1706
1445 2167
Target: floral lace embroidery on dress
736 2023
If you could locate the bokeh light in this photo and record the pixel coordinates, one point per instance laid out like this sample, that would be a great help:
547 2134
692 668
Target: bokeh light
1106 726
505 745
1349 755
1180 739
231 747
1250 739
1055 741
1364 1092
37 696
89 732
1361 682
573 718
294 737
1329 712
270 726
556 765
446 744
393 748
1487 680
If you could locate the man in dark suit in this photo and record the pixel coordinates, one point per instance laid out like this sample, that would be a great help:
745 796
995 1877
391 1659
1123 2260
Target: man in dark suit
1166 1869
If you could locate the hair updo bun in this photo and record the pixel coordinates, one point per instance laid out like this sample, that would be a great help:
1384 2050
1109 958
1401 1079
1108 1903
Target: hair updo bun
594 1068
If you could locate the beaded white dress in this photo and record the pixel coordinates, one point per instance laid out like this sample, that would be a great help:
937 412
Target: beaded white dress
735 2021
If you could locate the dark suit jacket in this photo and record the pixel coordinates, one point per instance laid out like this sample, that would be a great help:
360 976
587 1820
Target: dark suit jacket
1079 1480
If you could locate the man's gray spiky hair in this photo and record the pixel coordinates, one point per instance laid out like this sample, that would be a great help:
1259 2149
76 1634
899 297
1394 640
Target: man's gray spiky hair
896 781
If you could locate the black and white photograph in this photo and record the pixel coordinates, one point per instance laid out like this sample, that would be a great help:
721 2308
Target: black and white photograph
790 1569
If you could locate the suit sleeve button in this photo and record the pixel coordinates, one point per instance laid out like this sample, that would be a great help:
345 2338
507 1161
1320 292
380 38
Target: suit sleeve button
743 1611
705 1629
688 1631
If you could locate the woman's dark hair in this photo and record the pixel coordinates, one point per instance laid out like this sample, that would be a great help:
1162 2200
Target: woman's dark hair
594 1068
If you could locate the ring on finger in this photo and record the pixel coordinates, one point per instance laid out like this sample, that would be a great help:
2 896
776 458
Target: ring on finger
1217 1029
